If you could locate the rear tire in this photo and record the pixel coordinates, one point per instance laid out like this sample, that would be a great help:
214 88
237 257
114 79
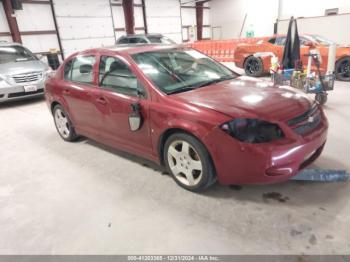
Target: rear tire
189 162
253 66
63 124
342 69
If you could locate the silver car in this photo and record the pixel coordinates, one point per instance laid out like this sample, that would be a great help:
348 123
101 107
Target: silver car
22 74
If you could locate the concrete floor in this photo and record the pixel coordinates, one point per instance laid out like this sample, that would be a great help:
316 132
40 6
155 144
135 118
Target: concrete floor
84 198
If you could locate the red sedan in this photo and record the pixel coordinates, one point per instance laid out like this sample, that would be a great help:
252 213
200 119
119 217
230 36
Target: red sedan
182 109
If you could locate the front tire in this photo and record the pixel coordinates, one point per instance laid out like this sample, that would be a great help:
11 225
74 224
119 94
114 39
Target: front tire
253 66
189 162
63 124
321 98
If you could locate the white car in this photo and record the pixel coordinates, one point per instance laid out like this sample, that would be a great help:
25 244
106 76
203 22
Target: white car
22 74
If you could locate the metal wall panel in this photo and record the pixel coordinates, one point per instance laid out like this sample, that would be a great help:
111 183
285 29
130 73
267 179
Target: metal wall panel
35 17
188 16
40 43
164 17
84 24
118 16
206 16
138 15
4 27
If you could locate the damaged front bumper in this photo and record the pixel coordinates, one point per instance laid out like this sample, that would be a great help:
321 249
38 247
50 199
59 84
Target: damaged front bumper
241 163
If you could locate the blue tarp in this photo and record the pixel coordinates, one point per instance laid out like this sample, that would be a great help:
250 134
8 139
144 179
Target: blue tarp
322 175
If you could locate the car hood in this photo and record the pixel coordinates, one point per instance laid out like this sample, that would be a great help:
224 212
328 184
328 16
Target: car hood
249 97
15 68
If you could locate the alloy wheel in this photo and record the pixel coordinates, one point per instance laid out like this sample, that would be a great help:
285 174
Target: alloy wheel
253 66
62 123
185 163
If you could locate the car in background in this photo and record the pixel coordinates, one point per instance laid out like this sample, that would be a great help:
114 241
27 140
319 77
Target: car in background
182 109
255 66
145 39
22 74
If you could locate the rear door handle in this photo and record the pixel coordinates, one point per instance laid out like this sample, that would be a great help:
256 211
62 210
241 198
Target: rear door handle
66 92
101 100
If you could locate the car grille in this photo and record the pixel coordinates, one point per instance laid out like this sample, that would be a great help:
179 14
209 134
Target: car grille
25 93
306 122
29 77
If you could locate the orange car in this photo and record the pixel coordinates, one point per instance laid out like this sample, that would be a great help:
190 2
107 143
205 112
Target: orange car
257 66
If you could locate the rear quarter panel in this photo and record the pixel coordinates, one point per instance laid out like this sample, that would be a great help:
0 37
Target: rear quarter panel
245 50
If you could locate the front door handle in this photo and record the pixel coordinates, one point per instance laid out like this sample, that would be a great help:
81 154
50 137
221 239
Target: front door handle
66 92
102 101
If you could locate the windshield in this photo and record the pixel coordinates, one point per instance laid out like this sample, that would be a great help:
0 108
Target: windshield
160 40
321 40
15 54
180 70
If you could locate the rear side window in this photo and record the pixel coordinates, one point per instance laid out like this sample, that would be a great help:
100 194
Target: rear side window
137 40
80 69
154 39
123 41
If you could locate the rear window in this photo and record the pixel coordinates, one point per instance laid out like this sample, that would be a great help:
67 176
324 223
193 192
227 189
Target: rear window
160 40
10 54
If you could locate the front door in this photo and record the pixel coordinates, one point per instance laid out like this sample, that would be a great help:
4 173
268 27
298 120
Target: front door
119 90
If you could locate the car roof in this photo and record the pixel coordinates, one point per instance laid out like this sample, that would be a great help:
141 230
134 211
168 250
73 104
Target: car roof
5 43
132 49
141 35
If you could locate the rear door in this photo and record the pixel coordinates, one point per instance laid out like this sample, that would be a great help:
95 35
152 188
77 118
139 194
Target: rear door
79 90
119 89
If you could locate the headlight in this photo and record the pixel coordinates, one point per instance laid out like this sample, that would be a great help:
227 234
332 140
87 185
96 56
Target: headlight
252 130
49 73
4 80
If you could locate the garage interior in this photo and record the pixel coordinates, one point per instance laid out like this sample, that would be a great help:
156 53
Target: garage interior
88 198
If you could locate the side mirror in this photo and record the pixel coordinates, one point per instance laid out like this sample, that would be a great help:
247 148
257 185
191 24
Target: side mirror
135 118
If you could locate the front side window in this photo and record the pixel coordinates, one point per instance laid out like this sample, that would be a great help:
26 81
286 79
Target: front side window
80 69
15 53
179 70
116 76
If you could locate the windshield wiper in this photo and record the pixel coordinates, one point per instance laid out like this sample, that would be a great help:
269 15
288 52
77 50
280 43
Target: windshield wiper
213 81
217 80
182 89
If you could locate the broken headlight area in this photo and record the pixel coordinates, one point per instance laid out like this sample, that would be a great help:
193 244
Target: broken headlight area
252 130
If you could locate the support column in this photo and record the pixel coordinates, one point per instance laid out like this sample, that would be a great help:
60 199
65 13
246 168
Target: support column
199 19
12 21
128 7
